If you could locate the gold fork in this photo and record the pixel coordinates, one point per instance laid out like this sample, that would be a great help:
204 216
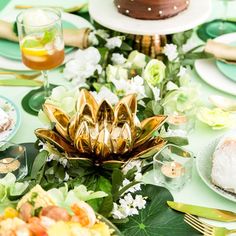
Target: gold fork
205 229
20 76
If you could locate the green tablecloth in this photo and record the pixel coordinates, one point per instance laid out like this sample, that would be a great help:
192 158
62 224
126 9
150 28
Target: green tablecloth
196 192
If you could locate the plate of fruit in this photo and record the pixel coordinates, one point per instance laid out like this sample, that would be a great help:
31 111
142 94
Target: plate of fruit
36 214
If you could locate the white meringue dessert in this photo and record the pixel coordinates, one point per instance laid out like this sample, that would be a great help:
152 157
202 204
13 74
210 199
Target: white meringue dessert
5 121
223 172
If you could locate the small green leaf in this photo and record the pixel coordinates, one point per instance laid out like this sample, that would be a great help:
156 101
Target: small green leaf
148 91
180 141
107 203
39 163
181 38
125 47
117 179
48 37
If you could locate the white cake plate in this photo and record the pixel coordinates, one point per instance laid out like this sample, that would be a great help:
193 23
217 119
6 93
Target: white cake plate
106 14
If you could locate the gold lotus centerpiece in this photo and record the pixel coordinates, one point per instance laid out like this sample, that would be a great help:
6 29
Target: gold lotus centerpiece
100 134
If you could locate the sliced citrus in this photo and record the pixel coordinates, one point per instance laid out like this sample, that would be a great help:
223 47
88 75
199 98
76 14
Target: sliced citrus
34 51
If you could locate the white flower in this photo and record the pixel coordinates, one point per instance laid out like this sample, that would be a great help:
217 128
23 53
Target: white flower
154 72
63 162
102 33
117 213
122 86
116 73
132 211
66 177
182 71
118 59
136 59
84 65
137 86
171 86
113 42
127 201
93 36
133 189
170 50
130 165
139 202
125 182
64 98
156 91
138 176
128 206
105 94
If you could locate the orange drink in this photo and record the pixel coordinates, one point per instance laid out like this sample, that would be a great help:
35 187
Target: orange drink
42 57
42 46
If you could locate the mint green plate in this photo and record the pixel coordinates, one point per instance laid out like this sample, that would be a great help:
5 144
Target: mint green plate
229 70
11 50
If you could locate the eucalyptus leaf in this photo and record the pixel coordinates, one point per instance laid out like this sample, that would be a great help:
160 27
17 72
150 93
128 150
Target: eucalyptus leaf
148 91
181 38
39 163
125 47
107 203
157 218
117 179
18 189
180 141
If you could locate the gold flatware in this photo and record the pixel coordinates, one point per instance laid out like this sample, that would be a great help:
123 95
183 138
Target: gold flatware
206 212
206 229
69 9
21 76
20 82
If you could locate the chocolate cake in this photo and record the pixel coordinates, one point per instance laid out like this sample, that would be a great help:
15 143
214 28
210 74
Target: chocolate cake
151 9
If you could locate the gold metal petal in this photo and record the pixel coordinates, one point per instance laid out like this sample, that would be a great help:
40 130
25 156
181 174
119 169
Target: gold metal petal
123 115
103 147
131 101
148 126
86 98
149 148
55 139
121 139
105 115
73 126
82 138
59 117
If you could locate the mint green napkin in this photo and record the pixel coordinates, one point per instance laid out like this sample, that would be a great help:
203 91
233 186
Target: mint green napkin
3 3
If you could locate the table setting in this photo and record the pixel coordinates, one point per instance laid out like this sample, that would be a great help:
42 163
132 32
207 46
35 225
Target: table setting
117 118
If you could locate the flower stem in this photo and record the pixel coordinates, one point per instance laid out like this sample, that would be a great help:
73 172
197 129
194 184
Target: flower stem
124 189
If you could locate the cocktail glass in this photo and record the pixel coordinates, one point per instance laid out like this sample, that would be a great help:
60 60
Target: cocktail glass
41 44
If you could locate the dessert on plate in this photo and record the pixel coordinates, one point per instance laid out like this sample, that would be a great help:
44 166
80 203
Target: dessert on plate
223 172
5 121
151 9
37 215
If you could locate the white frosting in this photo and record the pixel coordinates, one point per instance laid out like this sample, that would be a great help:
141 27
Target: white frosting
4 119
224 163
